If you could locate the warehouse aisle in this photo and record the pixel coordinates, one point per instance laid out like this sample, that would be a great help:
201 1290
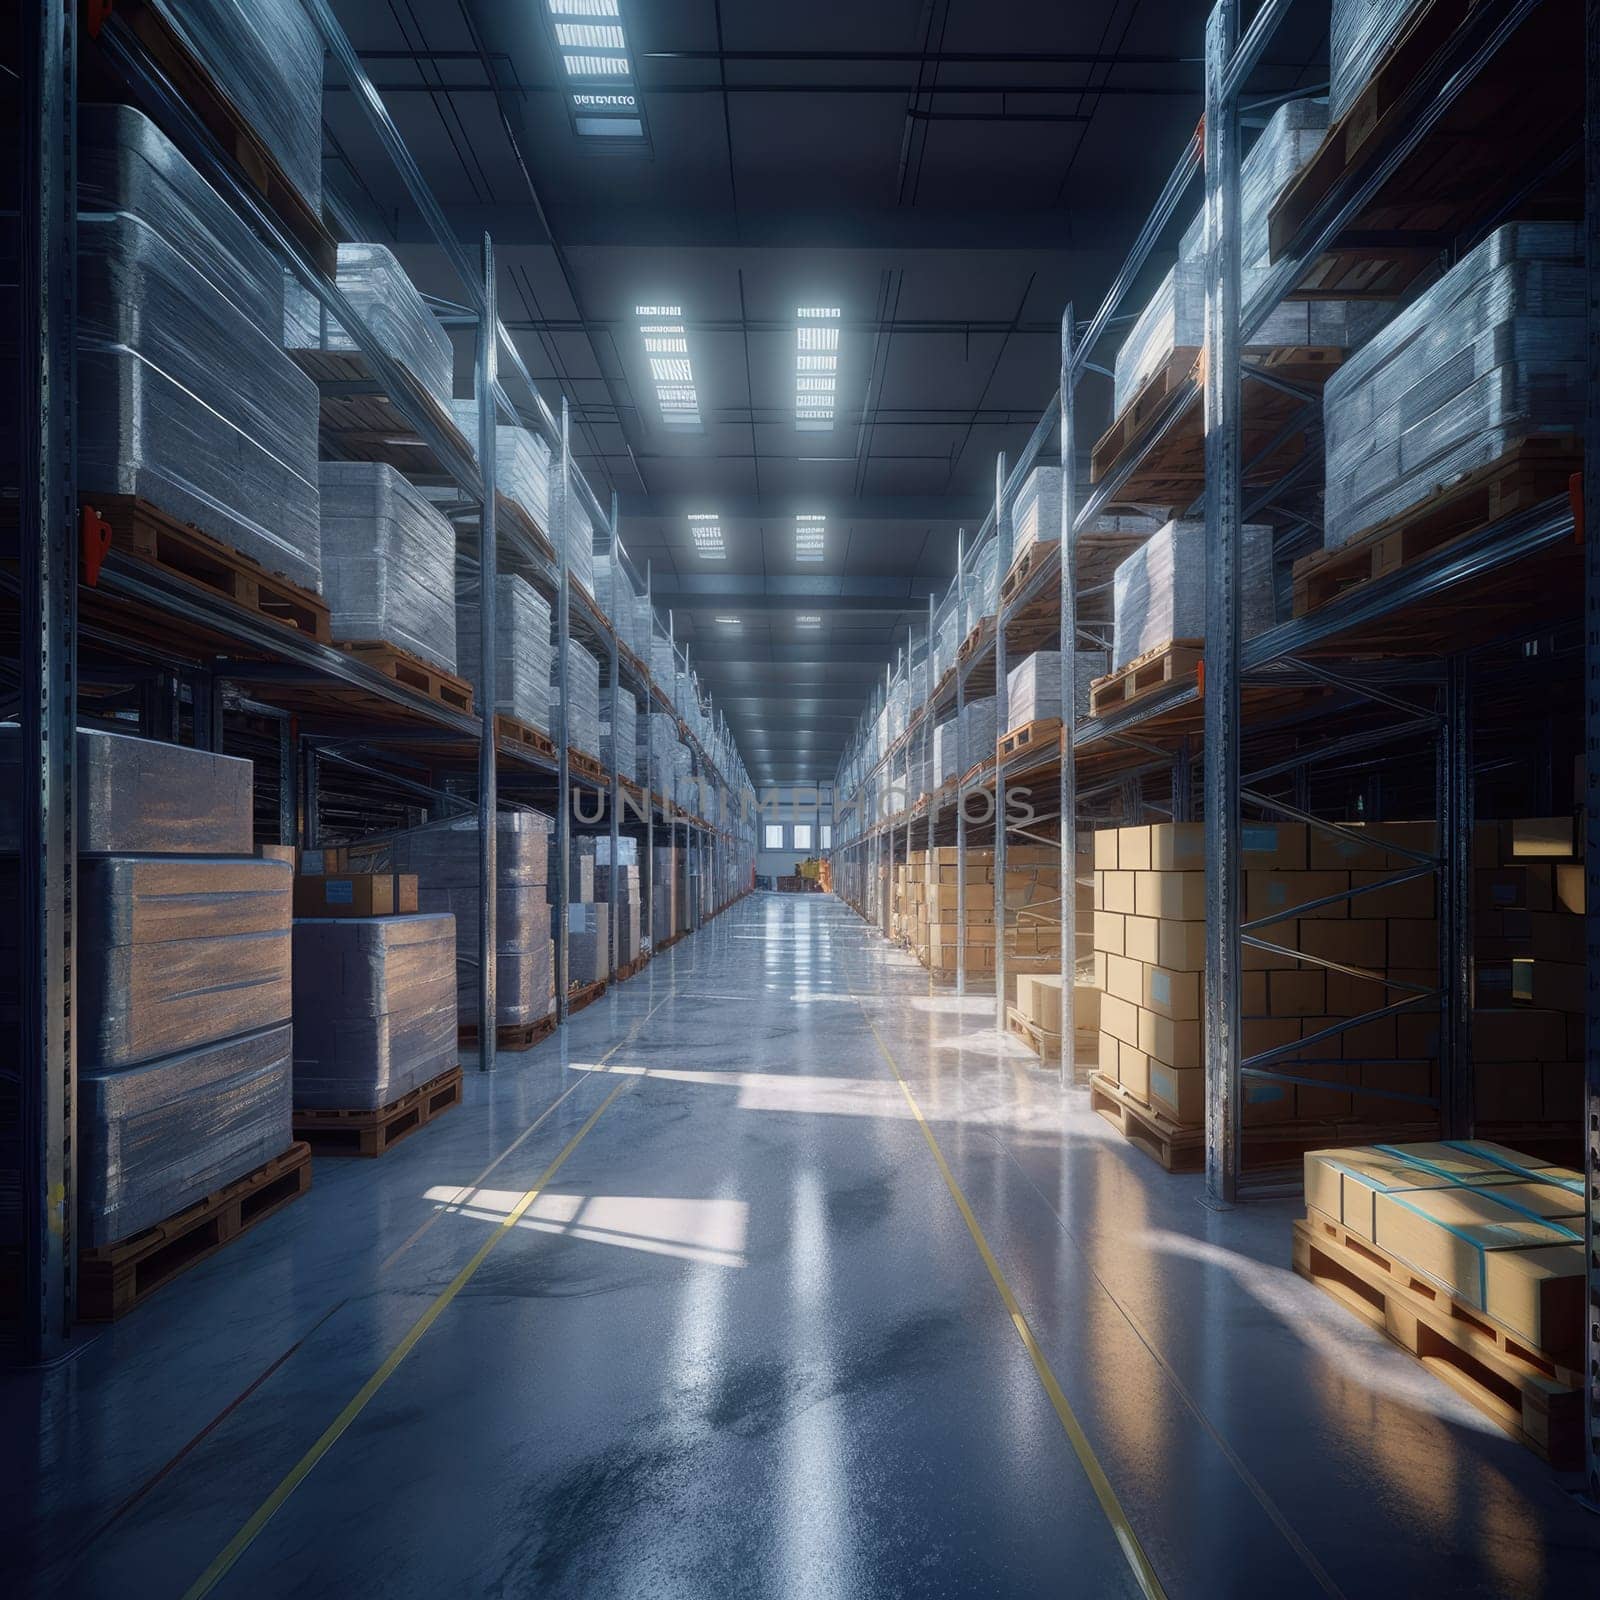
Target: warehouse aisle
688 1305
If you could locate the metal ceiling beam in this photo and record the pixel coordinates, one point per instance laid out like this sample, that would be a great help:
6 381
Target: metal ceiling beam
757 508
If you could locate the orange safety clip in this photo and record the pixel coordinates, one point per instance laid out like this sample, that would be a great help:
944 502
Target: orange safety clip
1200 674
94 542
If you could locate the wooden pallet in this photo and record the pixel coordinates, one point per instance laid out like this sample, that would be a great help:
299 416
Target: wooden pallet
1494 144
507 730
517 1036
114 1278
1536 1401
1526 475
975 641
631 969
371 1133
1172 1145
1148 399
444 688
199 92
583 995
581 762
1154 670
1042 734
151 537
1041 553
1044 1044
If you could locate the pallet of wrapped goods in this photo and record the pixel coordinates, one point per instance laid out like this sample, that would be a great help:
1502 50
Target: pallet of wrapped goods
252 73
588 944
375 1010
583 700
357 411
188 406
521 471
1469 1255
619 741
979 735
1033 696
1466 408
570 522
522 650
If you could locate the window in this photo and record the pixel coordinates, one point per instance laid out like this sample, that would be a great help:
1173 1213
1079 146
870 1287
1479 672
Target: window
827 835
773 835
802 836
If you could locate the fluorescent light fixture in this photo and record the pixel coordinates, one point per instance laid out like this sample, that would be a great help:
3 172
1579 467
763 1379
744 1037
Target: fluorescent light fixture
602 96
810 536
816 367
706 531
666 344
808 619
731 622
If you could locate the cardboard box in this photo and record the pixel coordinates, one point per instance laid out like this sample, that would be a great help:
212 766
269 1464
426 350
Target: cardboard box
1266 1102
1181 945
1397 1077
1133 849
1177 895
1106 1058
1273 846
1539 839
1180 1092
1344 1183
1085 1008
1267 894
1413 898
1178 847
1120 1020
1334 852
1355 944
1508 1091
1115 892
1563 1093
1123 978
1176 1044
1413 943
277 852
1169 994
1253 994
1569 891
1133 1072
1141 938
1518 1033
1525 888
1557 985
1556 936
1296 994
1286 934
1105 849
359 894
1377 1040
1039 1000
1525 1274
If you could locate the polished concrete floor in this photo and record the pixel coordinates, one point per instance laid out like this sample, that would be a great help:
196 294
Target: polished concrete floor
743 1341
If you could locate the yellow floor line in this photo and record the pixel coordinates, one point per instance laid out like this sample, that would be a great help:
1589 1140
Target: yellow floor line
1144 1573
297 1474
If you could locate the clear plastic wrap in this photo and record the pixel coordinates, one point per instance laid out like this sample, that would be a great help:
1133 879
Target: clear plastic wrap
444 856
266 57
664 751
619 746
126 163
140 797
618 889
944 751
374 1008
588 942
982 587
1159 591
1036 512
521 462
979 733
177 951
522 650
154 1138
185 402
387 301
583 700
570 520
1033 686
1490 355
390 559
1360 33
1175 320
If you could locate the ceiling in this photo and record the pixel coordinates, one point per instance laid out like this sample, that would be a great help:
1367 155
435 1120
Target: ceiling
830 154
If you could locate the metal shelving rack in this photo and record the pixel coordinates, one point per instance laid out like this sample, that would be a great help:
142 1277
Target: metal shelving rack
215 658
1449 600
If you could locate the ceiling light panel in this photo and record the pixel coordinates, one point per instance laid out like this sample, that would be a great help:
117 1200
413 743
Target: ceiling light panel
666 345
602 94
816 367
706 531
810 537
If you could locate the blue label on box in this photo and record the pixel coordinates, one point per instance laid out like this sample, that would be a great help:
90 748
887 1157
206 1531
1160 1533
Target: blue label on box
1259 836
339 892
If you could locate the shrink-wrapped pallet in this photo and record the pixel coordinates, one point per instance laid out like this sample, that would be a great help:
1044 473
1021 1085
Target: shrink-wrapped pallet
444 856
390 562
1360 34
588 943
140 797
978 731
522 650
1159 592
155 1137
619 741
570 520
374 1008
126 163
982 589
1033 686
388 304
583 699
618 889
177 951
946 756
614 591
521 463
1036 512
266 58
665 750
1491 355
184 401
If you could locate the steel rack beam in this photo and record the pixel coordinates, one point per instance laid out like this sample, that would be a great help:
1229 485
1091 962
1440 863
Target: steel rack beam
488 678
1002 713
615 870
563 725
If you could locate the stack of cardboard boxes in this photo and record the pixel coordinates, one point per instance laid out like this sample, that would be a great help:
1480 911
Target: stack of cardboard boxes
1150 957
1528 1015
